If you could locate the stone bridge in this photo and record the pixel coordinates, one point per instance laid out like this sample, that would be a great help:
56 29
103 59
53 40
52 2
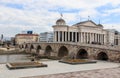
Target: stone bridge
76 50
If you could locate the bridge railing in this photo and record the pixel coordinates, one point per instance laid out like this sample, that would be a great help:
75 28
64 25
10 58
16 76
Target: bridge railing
117 47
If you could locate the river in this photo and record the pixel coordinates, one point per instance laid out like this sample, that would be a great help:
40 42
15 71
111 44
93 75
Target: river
14 58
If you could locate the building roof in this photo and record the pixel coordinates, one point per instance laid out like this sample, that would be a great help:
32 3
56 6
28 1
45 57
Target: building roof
100 25
85 22
27 35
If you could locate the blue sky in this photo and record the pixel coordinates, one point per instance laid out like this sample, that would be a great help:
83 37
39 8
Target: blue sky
40 15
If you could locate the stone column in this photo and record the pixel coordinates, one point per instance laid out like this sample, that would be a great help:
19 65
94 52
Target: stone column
58 36
75 36
90 38
79 36
100 38
55 36
65 36
87 37
62 36
103 38
84 37
72 36
95 37
68 36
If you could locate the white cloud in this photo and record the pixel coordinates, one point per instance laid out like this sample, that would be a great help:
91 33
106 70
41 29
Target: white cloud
112 26
37 14
115 11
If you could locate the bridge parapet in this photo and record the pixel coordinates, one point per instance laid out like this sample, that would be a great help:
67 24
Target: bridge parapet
117 48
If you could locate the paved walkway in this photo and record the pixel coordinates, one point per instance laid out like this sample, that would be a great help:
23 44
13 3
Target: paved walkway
99 73
54 67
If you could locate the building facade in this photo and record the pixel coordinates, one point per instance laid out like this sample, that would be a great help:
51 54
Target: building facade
86 32
46 37
25 38
113 37
117 38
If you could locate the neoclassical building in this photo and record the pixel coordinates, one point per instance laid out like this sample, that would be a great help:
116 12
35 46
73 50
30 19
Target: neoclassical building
86 32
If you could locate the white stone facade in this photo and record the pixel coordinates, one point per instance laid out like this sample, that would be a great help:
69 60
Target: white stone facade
83 32
86 32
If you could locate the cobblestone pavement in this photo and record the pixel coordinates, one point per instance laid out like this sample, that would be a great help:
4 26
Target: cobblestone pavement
99 73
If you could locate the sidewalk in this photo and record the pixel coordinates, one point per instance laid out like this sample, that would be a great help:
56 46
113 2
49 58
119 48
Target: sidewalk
99 73
54 67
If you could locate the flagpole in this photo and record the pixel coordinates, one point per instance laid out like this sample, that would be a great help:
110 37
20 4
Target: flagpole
61 15
88 18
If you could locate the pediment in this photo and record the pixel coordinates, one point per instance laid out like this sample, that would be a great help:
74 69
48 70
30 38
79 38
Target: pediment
87 23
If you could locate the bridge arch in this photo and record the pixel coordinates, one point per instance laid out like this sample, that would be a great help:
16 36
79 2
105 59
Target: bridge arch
38 49
22 46
102 56
63 51
26 46
48 50
31 48
82 54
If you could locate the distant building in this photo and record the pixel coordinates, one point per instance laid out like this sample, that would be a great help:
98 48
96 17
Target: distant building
46 37
25 38
113 37
13 41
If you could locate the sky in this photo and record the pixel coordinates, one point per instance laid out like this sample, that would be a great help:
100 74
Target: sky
39 15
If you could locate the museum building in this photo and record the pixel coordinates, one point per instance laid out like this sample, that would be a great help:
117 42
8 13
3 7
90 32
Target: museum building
86 32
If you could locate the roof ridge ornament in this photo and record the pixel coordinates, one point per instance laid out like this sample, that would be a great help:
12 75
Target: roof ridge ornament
61 15
88 18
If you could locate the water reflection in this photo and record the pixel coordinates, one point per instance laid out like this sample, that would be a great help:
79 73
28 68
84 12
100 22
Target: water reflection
13 58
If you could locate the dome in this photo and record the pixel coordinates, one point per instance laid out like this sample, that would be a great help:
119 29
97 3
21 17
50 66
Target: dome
100 25
116 32
60 22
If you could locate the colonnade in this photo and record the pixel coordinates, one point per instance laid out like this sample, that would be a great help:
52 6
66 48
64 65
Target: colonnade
82 37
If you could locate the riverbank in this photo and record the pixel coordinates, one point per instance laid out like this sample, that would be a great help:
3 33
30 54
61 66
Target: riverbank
10 58
10 51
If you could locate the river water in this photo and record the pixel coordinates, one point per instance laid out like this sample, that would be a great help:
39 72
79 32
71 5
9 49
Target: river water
14 58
